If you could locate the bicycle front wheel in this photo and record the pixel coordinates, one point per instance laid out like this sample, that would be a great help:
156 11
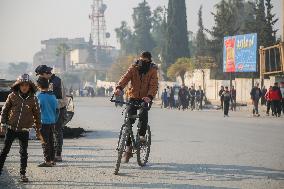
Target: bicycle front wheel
143 149
121 148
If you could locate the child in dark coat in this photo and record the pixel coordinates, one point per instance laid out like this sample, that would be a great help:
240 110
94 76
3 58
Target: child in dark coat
19 114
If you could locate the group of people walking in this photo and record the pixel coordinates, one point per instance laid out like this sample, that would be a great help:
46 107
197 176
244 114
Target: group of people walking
42 106
186 98
273 98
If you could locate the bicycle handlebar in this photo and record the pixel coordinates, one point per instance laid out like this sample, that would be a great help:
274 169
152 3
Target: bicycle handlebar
142 105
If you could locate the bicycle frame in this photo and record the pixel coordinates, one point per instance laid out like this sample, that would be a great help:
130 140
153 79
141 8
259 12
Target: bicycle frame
127 122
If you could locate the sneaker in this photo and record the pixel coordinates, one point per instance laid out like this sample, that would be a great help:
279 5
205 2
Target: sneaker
45 164
127 156
58 159
24 178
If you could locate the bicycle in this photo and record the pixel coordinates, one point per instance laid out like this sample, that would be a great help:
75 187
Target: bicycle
141 149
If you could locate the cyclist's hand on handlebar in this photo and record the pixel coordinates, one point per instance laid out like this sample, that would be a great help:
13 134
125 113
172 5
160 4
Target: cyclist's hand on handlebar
146 99
117 92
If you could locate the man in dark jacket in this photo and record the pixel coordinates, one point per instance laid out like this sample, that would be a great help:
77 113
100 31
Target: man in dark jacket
199 97
221 96
255 95
56 85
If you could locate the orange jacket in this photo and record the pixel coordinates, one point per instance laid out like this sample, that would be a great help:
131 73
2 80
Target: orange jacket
142 85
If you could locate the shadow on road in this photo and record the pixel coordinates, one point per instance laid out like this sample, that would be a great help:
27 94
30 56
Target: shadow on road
223 172
7 181
73 184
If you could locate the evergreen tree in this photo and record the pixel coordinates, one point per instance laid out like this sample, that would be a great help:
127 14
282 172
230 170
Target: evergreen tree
158 32
261 23
142 18
125 37
200 37
224 26
270 22
177 33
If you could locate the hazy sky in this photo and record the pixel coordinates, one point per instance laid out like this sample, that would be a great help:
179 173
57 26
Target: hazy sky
24 23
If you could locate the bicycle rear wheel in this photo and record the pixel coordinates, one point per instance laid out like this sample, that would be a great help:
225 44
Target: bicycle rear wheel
121 148
143 149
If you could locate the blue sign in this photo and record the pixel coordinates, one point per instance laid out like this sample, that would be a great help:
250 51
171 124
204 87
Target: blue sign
240 53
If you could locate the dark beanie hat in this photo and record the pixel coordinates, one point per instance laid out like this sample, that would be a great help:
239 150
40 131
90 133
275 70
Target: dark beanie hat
43 83
146 54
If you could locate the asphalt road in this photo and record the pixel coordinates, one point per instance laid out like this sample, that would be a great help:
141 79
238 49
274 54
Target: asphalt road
199 149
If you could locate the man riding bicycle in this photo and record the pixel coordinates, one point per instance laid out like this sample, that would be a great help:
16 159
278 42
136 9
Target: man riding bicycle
144 86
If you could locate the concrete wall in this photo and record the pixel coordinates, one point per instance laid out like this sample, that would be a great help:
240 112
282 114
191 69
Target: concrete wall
212 87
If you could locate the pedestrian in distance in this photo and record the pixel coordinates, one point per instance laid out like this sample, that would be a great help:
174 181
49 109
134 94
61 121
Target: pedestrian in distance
19 114
199 97
49 114
227 99
276 98
263 92
164 98
221 96
233 94
182 96
192 94
282 94
268 101
255 95
57 87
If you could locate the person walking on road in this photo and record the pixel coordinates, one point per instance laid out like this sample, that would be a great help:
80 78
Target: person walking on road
48 108
57 87
182 96
268 101
192 94
227 99
221 97
20 112
199 97
164 98
263 99
143 76
276 98
282 94
255 96
233 94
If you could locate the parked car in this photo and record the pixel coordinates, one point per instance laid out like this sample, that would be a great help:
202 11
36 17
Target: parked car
5 89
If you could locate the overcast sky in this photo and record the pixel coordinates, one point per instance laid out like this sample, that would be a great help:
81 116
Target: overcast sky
24 23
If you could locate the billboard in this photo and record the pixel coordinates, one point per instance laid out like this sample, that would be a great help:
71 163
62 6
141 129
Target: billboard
239 53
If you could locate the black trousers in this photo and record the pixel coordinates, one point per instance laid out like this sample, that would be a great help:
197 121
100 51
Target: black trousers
143 120
226 107
58 132
47 132
276 107
10 136
222 103
268 107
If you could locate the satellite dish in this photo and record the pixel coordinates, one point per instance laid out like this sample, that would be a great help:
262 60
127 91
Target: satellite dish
107 35
103 8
